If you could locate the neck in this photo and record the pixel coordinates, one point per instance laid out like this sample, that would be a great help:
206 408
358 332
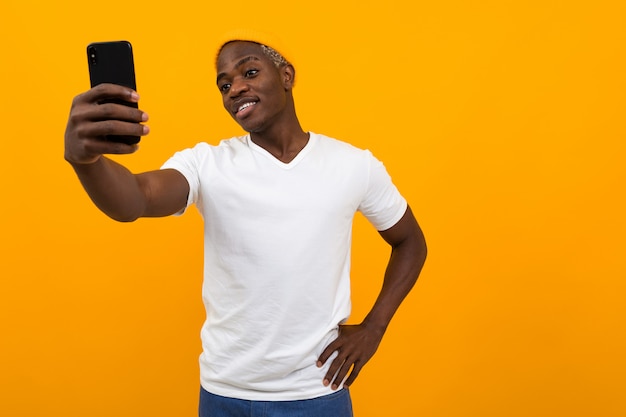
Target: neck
283 143
284 138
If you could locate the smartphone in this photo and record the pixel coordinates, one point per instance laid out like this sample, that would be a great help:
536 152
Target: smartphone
112 62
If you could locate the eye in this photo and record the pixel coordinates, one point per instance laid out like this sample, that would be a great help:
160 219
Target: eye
251 72
224 87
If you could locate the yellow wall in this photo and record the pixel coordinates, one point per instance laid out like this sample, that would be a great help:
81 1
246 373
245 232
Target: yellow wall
501 121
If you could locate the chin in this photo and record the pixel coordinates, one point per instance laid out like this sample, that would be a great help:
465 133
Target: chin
250 128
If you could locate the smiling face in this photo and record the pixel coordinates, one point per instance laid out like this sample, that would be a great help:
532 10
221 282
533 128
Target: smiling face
254 91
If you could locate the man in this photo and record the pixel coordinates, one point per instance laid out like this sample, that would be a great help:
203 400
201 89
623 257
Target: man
278 205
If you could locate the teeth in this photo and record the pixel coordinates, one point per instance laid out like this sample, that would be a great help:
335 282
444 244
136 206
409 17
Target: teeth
245 106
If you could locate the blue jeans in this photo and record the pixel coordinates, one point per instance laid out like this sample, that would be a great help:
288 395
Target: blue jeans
337 404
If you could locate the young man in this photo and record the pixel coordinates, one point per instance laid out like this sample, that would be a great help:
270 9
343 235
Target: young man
278 205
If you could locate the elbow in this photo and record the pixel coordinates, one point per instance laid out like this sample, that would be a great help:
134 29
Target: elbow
125 217
419 253
422 251
122 219
123 213
122 216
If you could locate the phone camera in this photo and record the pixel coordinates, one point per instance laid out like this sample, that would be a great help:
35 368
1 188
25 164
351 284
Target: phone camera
92 55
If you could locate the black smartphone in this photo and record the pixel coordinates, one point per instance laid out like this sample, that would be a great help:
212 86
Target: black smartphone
112 62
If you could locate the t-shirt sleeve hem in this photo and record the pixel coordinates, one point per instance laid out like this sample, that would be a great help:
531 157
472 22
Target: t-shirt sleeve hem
178 167
401 209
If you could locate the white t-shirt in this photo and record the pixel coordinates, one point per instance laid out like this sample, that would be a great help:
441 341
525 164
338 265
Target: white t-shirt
277 257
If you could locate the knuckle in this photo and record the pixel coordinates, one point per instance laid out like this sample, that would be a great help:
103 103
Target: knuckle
138 130
106 111
137 114
118 148
108 127
105 91
102 88
76 101
77 110
80 132
132 115
80 98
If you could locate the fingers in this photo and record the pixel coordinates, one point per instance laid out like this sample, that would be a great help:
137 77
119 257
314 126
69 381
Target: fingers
105 128
99 114
356 369
104 92
330 349
354 347
114 111
99 147
338 370
107 102
340 365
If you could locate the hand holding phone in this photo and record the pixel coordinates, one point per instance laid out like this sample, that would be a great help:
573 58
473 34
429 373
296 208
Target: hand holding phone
91 122
112 62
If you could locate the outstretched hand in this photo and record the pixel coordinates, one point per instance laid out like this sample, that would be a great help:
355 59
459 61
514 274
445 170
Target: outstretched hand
93 117
355 346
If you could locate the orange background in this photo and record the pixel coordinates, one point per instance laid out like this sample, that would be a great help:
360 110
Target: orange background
501 121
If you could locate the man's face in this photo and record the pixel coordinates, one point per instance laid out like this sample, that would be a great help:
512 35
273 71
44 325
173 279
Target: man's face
254 91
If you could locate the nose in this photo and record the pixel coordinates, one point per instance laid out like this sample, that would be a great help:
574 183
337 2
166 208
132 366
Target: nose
238 86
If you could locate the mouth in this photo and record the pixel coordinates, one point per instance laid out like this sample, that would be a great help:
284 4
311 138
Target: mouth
244 108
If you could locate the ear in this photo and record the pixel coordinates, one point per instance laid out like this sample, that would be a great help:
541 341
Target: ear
288 76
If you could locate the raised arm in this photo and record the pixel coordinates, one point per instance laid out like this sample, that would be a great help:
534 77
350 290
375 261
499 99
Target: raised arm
356 344
116 191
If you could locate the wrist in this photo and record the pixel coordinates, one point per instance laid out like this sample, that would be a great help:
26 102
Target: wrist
375 324
77 162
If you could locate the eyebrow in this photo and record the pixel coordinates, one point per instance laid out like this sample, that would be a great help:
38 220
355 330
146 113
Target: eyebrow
238 64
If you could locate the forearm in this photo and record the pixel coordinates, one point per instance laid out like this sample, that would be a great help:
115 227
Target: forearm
112 188
403 269
408 254
356 344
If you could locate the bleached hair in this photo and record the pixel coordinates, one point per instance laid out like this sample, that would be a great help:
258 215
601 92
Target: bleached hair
274 56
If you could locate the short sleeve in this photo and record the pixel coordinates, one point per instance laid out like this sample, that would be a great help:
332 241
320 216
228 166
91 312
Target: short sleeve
382 205
188 162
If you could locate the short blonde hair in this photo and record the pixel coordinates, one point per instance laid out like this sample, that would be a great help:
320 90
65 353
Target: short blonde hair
274 56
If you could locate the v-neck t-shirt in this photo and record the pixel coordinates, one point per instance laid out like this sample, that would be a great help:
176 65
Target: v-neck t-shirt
277 240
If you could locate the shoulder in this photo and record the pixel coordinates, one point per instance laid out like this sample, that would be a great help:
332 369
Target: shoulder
233 143
333 142
203 155
338 147
345 154
204 149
